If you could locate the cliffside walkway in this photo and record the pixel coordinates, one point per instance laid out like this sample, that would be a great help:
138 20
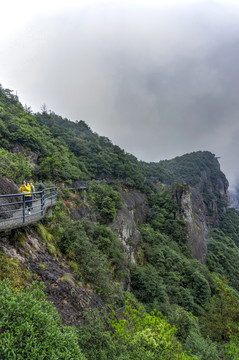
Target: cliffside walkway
84 185
14 210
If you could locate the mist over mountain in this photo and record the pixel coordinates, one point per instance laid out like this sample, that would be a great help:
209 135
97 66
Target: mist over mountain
164 71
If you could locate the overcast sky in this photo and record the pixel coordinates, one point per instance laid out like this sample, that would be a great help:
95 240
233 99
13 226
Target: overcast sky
159 78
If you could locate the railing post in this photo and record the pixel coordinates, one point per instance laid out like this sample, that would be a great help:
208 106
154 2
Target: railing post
42 202
24 209
19 212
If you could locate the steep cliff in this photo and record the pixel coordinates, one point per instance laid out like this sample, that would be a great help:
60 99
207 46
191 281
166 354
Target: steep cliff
203 206
201 194
193 212
132 213
213 186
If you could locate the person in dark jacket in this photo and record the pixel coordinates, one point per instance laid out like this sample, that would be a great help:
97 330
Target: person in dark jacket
41 186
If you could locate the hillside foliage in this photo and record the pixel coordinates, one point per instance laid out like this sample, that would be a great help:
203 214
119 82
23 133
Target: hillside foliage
30 327
177 308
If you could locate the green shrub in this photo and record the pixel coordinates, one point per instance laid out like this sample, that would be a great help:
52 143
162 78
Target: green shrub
30 327
51 248
221 315
73 266
92 263
108 210
14 166
43 232
110 245
42 266
230 225
106 201
147 285
232 349
223 257
204 349
96 341
147 336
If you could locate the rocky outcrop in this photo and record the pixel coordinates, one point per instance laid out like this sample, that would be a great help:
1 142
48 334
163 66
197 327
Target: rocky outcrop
213 188
30 155
132 213
202 207
193 212
61 286
82 211
7 186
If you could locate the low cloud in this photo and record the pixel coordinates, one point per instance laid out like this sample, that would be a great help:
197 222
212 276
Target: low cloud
159 80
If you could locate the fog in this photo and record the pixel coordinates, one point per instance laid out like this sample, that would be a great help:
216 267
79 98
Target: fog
159 78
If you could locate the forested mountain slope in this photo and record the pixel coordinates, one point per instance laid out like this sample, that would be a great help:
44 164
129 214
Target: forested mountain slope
152 247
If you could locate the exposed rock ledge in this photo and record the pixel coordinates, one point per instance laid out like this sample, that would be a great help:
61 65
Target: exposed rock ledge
62 288
133 212
193 213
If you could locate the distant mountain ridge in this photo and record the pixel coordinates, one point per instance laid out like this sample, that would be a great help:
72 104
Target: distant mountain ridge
44 145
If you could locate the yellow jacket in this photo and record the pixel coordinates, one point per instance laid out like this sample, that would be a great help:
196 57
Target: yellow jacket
26 189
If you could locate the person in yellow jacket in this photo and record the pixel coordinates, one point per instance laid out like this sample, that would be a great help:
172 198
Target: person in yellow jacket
25 188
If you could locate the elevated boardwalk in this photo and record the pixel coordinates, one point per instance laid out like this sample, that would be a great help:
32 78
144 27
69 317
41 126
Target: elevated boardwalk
84 185
79 185
14 208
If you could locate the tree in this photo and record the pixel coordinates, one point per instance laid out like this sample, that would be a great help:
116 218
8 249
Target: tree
44 109
222 312
147 336
108 210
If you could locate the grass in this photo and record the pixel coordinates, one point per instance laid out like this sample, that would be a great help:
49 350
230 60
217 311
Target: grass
43 233
67 277
73 265
11 270
42 266
51 248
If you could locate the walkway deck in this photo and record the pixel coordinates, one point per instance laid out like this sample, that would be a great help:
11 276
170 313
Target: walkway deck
20 217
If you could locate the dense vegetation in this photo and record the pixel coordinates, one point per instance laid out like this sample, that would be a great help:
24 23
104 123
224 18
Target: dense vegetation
185 169
30 327
177 308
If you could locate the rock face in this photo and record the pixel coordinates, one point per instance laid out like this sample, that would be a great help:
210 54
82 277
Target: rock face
213 187
202 207
32 157
82 212
61 286
7 186
194 215
133 212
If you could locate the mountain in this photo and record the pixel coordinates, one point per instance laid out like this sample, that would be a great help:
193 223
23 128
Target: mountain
140 264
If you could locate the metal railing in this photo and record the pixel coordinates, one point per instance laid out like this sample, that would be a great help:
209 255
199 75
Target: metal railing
20 209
